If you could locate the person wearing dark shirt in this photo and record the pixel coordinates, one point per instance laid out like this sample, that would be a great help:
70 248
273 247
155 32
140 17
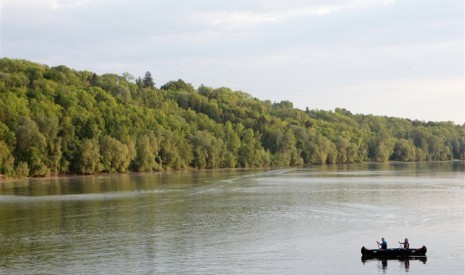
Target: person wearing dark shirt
405 244
383 243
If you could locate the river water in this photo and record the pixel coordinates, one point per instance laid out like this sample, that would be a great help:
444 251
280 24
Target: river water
311 220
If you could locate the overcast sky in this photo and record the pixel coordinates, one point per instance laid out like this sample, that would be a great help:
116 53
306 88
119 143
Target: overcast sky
402 58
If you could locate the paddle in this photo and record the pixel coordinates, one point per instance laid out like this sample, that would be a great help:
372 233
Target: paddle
405 246
400 246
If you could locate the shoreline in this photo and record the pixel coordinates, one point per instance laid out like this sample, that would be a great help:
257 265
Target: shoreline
129 173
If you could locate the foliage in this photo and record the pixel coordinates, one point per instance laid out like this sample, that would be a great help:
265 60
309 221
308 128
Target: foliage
55 120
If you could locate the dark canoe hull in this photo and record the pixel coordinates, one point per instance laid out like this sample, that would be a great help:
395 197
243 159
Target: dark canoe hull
394 252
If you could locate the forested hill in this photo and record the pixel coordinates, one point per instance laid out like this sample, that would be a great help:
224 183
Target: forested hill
56 120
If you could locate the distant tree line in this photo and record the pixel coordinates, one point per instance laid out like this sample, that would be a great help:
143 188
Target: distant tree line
55 120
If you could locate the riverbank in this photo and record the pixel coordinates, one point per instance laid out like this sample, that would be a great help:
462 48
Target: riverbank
4 180
129 173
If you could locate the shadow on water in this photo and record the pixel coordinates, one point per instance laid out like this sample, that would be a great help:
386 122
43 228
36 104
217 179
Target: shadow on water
383 262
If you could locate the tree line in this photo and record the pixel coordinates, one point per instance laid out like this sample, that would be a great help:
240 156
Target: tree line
56 120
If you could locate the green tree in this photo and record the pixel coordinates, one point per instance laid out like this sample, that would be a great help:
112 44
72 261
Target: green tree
246 151
31 147
116 156
438 148
148 82
22 169
178 86
147 152
89 160
232 146
404 150
287 153
7 136
6 161
175 152
49 127
382 146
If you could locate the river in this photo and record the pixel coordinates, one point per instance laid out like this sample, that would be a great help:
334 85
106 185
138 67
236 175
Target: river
309 220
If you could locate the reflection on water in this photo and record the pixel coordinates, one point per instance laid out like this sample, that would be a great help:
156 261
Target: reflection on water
402 263
290 221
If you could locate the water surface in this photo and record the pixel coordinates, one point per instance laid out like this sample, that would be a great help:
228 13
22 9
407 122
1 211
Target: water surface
293 221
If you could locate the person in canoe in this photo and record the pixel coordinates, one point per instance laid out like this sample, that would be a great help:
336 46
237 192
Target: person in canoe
405 244
383 243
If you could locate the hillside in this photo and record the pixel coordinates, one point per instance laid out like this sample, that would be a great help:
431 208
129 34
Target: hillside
56 120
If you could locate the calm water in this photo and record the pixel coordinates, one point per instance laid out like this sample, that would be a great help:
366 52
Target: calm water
287 221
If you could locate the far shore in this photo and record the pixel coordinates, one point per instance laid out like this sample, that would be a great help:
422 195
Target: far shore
68 176
4 180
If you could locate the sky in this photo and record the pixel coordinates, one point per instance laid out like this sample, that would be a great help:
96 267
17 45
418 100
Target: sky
401 58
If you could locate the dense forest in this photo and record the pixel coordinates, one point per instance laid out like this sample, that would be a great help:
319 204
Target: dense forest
56 120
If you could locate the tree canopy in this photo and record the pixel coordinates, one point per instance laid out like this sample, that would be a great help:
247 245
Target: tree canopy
56 120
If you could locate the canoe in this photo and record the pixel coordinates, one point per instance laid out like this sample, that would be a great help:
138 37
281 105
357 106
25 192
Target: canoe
394 252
